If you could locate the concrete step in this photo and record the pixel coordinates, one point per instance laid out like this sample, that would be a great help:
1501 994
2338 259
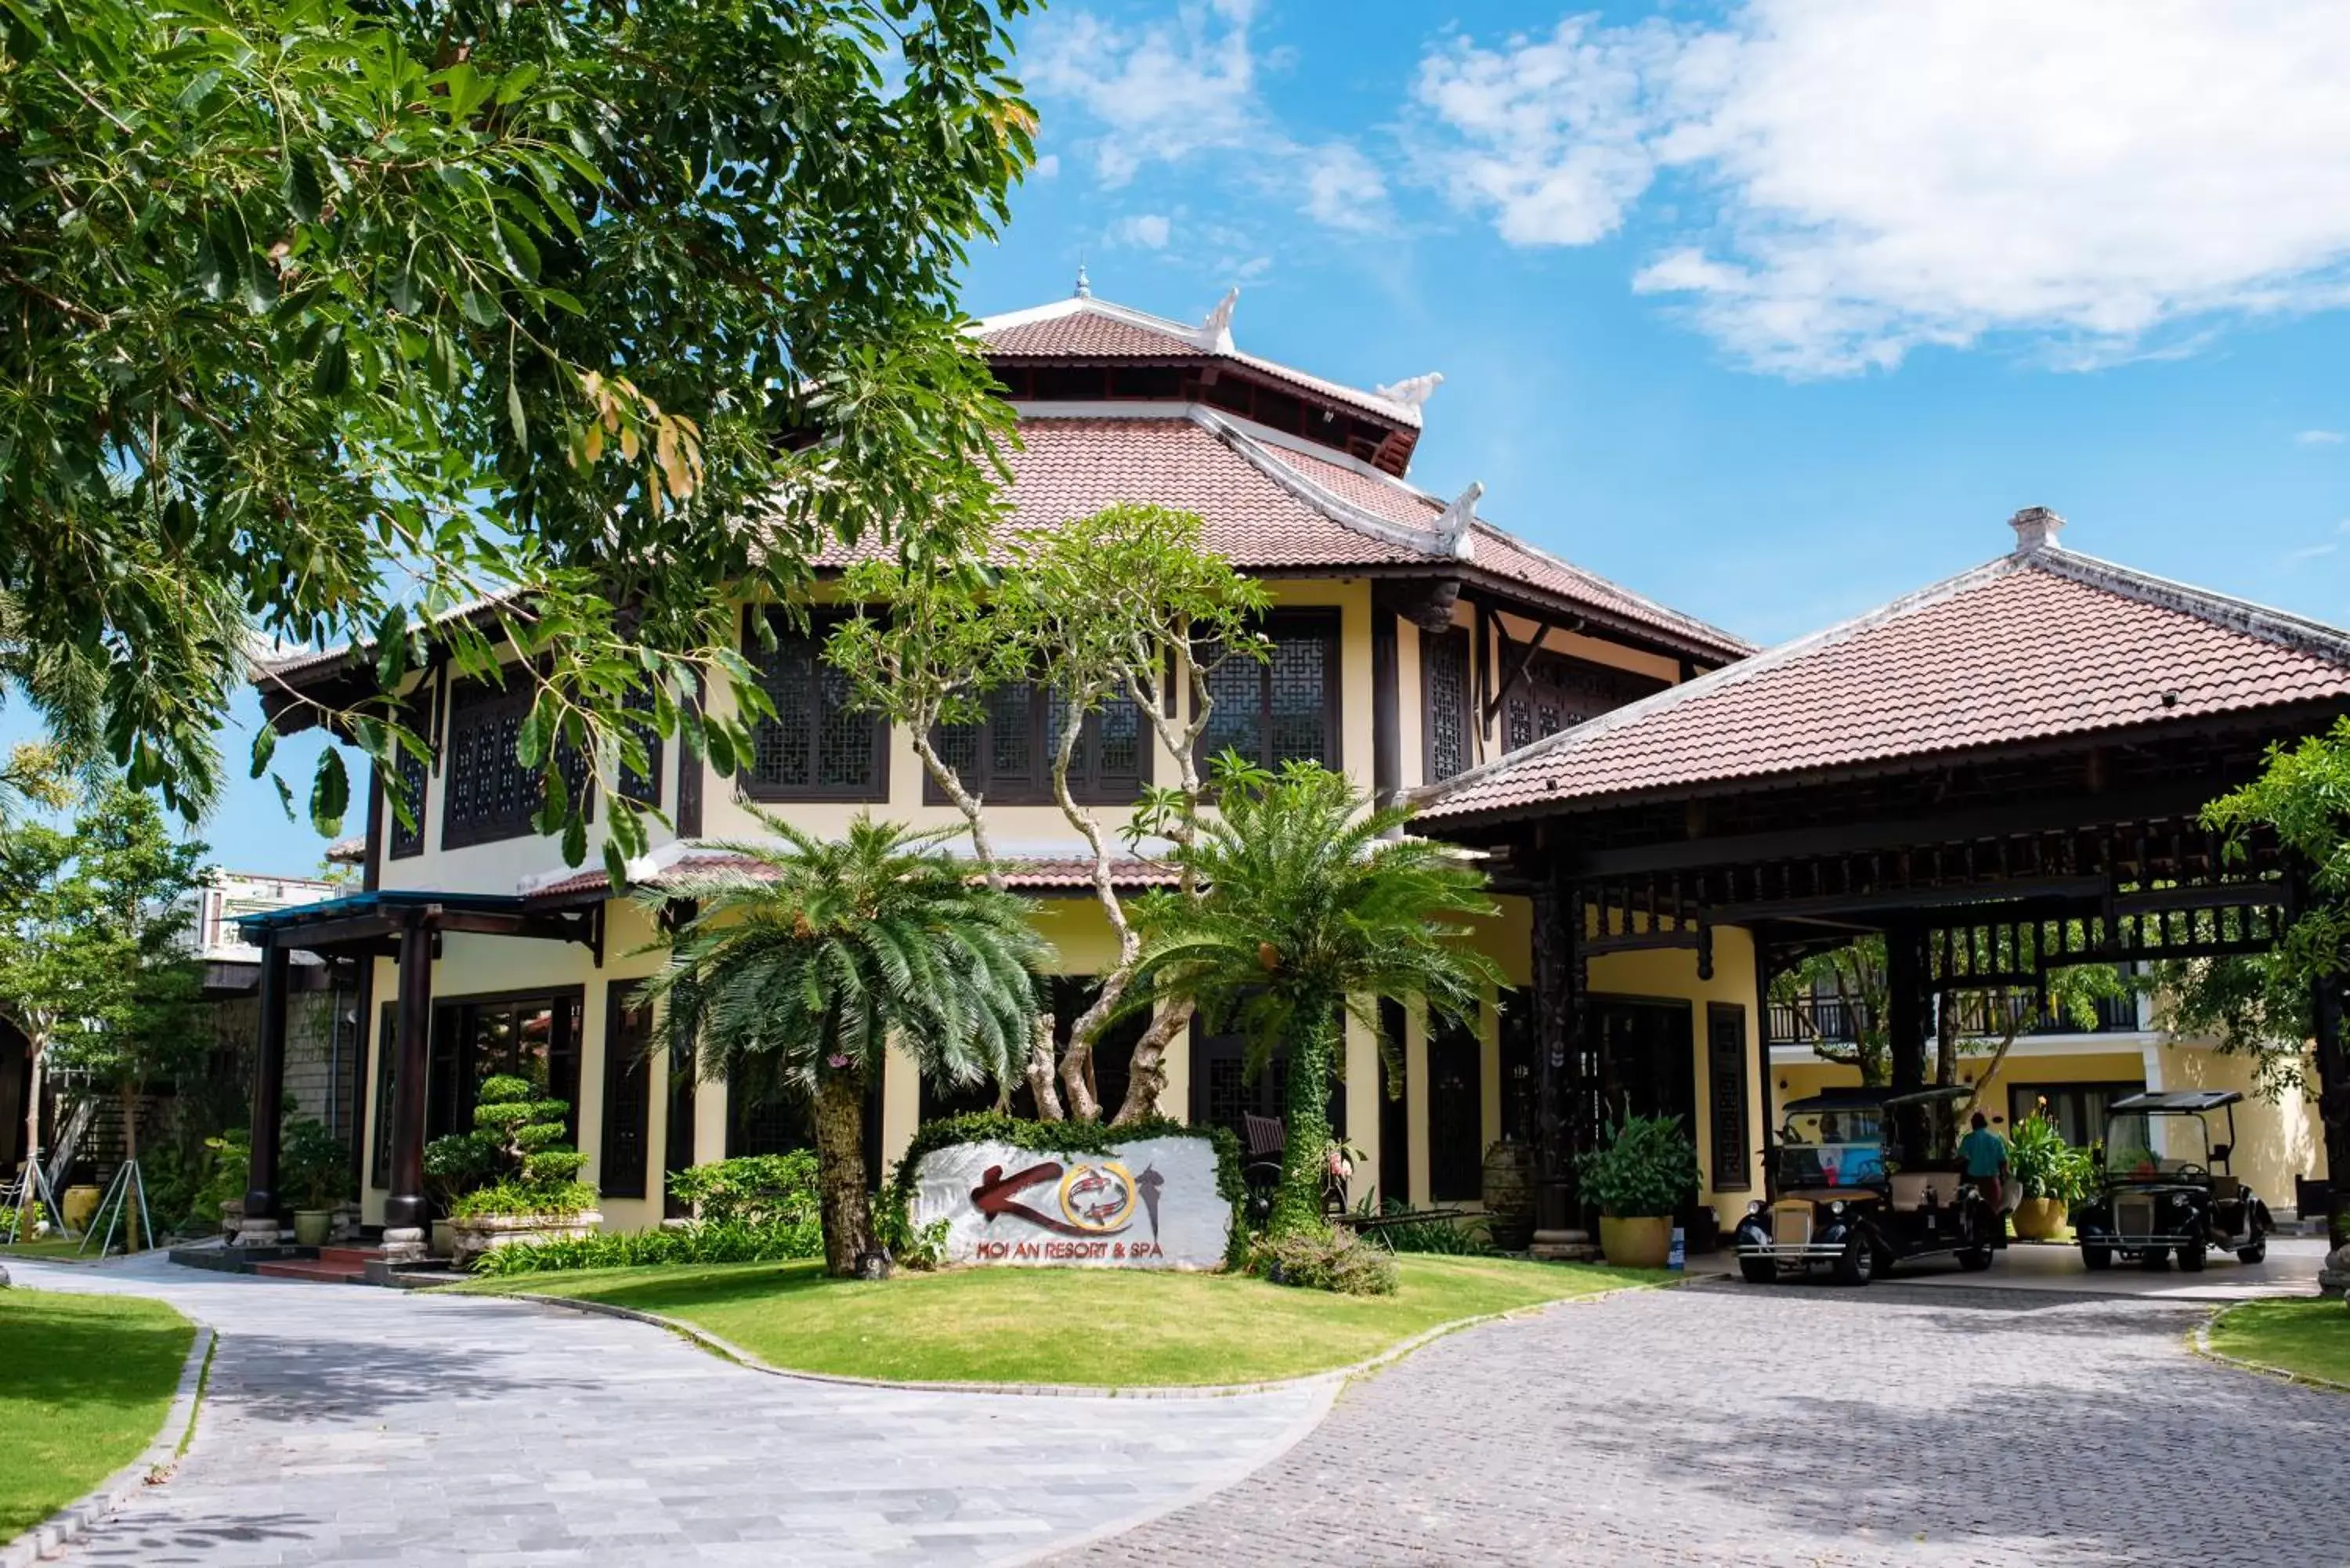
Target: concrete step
322 1270
360 1257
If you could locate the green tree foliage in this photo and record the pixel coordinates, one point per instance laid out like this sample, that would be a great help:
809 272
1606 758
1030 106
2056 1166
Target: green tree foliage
333 316
95 967
2265 1006
1310 911
795 978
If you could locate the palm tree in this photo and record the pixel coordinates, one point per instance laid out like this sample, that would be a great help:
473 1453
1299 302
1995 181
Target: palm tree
1314 907
798 971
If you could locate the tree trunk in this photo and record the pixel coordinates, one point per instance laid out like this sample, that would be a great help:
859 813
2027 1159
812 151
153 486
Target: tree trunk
1306 1142
130 1157
847 1207
1148 1075
35 1054
1040 1069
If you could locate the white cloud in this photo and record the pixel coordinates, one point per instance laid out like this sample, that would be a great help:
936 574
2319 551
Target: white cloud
1345 190
1159 92
1851 180
1148 230
2319 438
2311 552
1048 167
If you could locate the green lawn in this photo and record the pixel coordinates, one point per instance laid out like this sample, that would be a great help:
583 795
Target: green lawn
2308 1337
54 1248
1067 1325
85 1382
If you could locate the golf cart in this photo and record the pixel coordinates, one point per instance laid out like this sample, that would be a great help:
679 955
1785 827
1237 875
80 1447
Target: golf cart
2167 1190
1850 1195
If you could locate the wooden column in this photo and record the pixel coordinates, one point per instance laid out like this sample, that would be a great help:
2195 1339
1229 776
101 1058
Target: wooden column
1766 1097
1558 1051
2333 1123
404 1212
1910 1005
260 1224
1387 723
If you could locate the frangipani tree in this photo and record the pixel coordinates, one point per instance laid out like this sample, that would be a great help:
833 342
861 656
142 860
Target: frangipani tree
1310 909
796 976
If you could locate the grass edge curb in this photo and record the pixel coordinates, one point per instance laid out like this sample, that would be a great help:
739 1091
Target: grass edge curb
74 1521
1337 1377
2200 1344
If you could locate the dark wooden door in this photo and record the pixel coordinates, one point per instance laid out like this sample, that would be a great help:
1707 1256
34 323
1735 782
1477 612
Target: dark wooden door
1456 1115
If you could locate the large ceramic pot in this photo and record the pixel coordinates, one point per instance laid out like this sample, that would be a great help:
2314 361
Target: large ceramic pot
1510 1195
1645 1243
78 1206
2039 1219
468 1239
313 1226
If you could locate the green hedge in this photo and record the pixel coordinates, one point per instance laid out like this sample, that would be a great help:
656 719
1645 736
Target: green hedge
1072 1138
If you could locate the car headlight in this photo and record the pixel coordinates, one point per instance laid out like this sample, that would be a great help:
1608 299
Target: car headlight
1837 1206
2180 1200
1753 1207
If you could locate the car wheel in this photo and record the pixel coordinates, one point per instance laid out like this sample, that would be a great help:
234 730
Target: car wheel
2096 1260
2258 1252
1857 1264
1975 1260
2154 1258
2191 1258
1757 1270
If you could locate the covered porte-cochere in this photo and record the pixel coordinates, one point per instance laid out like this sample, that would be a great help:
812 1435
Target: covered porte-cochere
2002 775
408 927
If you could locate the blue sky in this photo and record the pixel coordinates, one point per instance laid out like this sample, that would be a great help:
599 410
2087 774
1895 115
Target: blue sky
1772 312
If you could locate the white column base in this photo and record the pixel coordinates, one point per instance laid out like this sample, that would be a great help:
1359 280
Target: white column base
403 1246
259 1232
2333 1280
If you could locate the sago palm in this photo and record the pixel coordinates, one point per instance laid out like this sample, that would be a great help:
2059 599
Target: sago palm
798 972
1311 911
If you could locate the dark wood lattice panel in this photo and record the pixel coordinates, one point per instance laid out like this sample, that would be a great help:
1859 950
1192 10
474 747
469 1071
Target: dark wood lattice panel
1286 709
818 745
1007 757
1557 691
491 795
1444 682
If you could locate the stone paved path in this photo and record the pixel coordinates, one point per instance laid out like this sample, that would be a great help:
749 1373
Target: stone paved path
1726 1424
345 1425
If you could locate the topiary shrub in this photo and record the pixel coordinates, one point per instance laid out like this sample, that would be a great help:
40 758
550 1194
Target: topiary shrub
752 1189
537 1172
1338 1260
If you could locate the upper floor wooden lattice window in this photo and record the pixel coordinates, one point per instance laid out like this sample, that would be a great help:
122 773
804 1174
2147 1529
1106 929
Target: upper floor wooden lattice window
1448 714
1558 691
1007 757
819 745
1287 709
490 795
412 781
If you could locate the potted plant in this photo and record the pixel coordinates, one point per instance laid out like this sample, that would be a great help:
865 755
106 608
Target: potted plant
455 1165
2050 1174
536 1196
229 1170
314 1169
1644 1170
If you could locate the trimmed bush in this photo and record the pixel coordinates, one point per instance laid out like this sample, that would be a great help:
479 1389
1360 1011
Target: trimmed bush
1339 1262
707 1242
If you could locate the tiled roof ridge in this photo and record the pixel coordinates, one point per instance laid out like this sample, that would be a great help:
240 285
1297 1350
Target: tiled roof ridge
1433 541
1197 338
1696 626
2285 629
1728 675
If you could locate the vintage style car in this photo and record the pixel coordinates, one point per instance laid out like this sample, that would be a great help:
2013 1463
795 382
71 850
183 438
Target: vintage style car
2166 1191
1846 1192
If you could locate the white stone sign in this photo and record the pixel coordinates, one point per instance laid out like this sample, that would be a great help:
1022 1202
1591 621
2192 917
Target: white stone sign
1150 1204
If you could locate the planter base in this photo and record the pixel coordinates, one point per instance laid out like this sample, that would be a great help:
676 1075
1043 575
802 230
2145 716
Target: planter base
1638 1244
472 1237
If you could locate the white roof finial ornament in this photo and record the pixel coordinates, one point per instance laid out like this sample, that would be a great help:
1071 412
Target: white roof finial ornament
1085 288
1412 391
2036 528
1216 332
1453 525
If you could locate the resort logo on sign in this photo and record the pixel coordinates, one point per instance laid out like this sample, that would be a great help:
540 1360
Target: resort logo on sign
1153 1205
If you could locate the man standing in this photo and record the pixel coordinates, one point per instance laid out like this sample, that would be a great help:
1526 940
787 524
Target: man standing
1985 1153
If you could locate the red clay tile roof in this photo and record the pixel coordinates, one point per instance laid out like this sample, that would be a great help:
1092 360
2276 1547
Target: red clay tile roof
1021 876
2030 646
1090 328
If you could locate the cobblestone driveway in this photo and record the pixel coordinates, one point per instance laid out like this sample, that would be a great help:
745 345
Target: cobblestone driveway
345 1425
1723 1424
